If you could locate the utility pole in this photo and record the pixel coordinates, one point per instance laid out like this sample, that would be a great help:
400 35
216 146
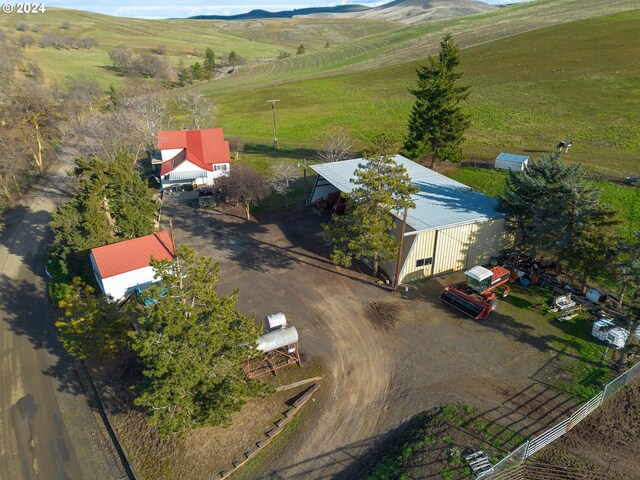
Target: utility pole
275 128
404 226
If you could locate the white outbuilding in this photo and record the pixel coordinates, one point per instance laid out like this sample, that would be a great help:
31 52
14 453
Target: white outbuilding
121 267
452 227
510 161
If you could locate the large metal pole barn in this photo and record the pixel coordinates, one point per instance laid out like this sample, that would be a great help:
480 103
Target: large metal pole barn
451 229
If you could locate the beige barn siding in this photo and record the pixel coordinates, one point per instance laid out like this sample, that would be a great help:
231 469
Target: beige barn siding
390 266
488 239
422 247
457 248
465 246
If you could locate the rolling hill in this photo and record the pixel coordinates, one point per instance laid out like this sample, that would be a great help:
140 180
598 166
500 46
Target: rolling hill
541 72
184 40
576 80
416 11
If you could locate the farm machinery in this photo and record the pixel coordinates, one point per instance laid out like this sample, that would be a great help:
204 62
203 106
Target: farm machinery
476 297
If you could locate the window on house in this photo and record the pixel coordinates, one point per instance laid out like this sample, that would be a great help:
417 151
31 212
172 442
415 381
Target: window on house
423 262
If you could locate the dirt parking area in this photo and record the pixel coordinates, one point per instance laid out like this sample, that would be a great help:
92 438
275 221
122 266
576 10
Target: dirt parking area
385 356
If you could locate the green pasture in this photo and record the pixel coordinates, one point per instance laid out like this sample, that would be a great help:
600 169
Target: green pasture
578 81
625 199
185 40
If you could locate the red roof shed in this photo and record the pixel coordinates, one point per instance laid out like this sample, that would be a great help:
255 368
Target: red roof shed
130 255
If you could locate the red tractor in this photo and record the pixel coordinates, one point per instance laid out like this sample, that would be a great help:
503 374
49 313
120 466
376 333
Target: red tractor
477 297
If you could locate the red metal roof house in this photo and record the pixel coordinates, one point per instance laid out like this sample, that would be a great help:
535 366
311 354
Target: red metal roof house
192 156
121 267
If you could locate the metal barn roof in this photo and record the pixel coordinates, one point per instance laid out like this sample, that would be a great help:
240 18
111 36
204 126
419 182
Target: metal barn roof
130 255
511 157
441 202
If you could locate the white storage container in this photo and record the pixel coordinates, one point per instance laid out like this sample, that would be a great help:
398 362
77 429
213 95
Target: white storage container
617 337
275 321
601 328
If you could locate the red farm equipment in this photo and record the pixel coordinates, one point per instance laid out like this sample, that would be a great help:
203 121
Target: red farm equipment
477 296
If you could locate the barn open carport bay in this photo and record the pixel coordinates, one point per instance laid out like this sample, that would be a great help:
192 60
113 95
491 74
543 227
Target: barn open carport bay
385 357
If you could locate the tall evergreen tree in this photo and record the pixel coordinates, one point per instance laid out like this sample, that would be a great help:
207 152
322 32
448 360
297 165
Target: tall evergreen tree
554 212
113 203
627 269
90 326
437 122
366 228
192 342
209 63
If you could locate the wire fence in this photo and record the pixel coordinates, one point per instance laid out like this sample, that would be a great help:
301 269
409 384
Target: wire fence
507 468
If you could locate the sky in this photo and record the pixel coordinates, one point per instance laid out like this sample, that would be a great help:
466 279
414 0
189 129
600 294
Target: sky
189 8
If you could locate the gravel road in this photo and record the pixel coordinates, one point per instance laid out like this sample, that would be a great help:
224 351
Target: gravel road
48 429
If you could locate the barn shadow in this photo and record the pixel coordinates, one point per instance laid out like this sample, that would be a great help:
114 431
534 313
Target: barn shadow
254 245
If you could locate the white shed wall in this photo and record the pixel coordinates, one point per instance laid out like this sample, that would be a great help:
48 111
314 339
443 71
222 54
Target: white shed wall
119 286
321 189
515 166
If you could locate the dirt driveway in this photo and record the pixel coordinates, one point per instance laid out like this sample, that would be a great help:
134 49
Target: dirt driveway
386 358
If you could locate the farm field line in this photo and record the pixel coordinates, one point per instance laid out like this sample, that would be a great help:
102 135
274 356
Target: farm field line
418 41
183 39
580 82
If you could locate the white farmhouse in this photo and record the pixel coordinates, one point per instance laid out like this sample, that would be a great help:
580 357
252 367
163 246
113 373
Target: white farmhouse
121 267
191 156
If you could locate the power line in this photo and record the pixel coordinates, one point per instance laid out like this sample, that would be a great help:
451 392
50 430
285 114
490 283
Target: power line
275 128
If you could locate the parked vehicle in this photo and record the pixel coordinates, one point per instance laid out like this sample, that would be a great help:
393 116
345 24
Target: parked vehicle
476 296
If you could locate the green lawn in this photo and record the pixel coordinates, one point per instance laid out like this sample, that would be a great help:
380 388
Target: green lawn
580 367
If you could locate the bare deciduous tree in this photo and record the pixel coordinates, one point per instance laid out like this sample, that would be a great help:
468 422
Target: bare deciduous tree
336 147
26 41
32 112
13 164
130 125
281 178
111 133
123 59
198 109
9 61
246 186
236 144
78 93
154 66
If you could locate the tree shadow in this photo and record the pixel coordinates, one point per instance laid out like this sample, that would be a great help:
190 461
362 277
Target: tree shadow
249 244
347 462
269 151
28 313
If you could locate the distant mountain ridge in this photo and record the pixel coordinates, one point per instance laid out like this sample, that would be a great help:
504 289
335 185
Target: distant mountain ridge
258 14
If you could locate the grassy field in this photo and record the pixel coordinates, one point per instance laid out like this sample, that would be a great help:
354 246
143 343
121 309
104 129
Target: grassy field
569 87
540 72
403 45
184 39
623 198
